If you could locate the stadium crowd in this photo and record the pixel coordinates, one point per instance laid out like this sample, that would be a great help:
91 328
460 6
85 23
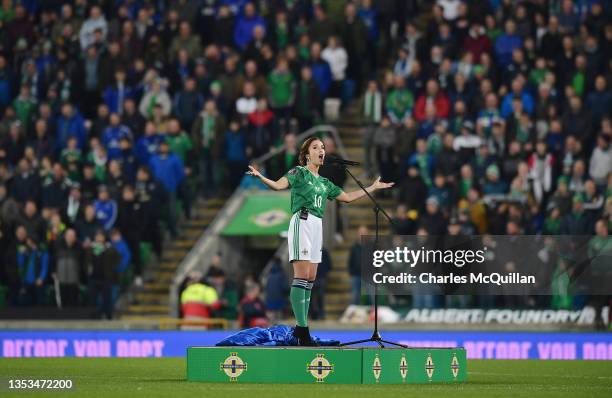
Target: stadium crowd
491 115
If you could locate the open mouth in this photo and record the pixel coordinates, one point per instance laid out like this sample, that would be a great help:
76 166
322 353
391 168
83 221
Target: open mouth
321 158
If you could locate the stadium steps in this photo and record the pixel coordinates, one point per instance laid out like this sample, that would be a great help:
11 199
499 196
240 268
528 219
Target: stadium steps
152 300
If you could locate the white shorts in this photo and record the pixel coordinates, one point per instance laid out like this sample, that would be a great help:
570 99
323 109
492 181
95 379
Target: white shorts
305 238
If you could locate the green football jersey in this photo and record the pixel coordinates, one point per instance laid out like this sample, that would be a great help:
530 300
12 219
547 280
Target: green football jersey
310 192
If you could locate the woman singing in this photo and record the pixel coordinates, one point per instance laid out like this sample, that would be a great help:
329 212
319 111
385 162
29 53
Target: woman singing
309 192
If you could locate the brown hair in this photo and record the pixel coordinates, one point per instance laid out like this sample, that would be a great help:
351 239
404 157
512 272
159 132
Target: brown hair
304 150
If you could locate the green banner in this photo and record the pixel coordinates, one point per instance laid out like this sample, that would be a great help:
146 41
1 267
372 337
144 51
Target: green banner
261 214
326 365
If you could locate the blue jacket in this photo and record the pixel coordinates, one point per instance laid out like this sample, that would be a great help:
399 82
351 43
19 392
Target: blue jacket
111 137
526 98
235 146
600 103
369 19
36 263
504 45
112 99
106 212
493 188
124 253
322 76
6 94
147 146
71 127
243 32
168 170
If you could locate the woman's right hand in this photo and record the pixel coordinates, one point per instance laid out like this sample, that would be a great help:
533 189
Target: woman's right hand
253 172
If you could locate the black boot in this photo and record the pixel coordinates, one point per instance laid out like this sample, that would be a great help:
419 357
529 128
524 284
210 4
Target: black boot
303 335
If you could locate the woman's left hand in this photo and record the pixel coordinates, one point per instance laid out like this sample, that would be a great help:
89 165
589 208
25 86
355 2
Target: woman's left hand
381 185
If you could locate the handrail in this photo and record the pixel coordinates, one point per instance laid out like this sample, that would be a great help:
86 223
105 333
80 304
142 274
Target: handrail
169 323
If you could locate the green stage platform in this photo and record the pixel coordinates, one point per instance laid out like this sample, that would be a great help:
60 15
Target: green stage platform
326 365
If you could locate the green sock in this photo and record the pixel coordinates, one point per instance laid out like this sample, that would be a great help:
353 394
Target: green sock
298 301
307 297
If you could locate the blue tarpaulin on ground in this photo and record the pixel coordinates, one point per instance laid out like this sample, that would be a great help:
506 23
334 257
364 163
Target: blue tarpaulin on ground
278 335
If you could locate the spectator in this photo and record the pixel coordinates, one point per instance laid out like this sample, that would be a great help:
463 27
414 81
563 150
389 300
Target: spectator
148 144
33 267
433 221
54 189
208 137
276 291
95 23
155 96
26 184
281 85
13 262
227 307
129 224
308 100
385 140
187 103
399 101
197 299
432 95
70 124
247 103
151 196
506 43
601 160
235 153
35 225
185 41
168 168
116 94
321 70
541 166
354 265
337 58
112 135
103 260
69 268
262 133
106 208
252 308
243 32
402 223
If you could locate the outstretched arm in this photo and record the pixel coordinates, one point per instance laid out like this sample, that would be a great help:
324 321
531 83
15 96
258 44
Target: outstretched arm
280 184
348 197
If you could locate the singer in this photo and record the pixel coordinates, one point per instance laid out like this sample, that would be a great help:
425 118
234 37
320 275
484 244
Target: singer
309 192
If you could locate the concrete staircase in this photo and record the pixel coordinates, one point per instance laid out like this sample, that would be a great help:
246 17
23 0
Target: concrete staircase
152 301
337 297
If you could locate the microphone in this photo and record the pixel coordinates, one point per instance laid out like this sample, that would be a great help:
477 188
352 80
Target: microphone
336 160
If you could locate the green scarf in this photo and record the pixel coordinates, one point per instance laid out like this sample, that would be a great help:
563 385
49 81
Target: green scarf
208 131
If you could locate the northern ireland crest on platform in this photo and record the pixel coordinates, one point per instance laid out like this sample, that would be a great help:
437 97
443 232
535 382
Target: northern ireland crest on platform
320 368
403 368
377 368
429 367
233 366
455 366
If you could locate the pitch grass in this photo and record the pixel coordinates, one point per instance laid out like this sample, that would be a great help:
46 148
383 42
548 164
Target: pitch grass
165 377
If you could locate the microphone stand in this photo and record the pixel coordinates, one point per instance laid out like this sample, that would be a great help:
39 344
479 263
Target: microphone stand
376 337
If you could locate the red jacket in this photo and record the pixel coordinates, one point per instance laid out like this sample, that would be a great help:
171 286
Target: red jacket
258 118
440 102
477 46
